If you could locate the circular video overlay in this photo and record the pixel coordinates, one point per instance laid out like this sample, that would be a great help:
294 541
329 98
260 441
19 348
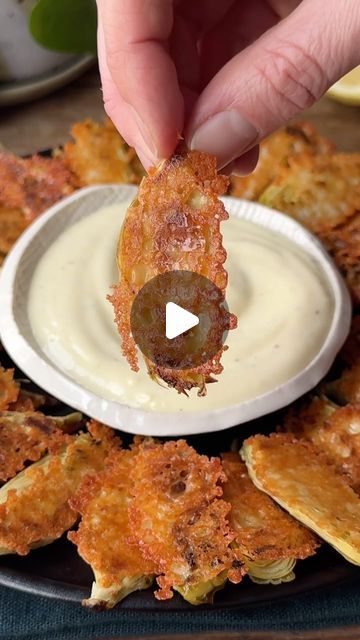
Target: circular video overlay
179 320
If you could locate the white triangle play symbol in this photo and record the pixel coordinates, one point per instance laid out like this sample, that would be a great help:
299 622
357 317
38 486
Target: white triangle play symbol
178 320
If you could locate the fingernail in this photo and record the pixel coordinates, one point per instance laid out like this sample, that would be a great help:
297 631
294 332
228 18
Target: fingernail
147 137
225 135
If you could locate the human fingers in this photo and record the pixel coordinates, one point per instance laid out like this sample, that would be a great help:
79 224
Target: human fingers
279 75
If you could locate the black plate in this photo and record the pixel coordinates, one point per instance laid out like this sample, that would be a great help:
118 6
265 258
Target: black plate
57 571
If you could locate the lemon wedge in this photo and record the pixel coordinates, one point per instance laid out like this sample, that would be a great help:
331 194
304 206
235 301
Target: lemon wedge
347 89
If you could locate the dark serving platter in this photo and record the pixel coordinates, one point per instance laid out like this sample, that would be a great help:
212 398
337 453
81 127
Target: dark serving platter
57 571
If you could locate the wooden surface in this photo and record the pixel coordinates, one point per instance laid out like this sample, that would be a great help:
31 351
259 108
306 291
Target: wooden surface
46 122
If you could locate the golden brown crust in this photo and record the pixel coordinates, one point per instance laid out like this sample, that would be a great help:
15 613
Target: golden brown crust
263 530
320 192
12 224
33 184
25 437
302 479
347 388
9 388
99 155
298 139
40 510
333 430
104 538
350 352
177 209
343 243
178 518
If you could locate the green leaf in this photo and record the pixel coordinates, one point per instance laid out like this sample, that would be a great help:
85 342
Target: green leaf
65 25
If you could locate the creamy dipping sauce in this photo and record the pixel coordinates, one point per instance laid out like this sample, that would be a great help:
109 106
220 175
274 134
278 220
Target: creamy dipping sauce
278 292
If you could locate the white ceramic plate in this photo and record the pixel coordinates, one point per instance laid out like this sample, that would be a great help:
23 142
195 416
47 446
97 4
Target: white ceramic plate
18 339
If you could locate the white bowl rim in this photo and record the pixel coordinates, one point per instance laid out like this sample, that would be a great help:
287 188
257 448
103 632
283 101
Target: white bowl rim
139 421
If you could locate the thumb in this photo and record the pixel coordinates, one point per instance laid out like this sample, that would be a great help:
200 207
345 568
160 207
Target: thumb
283 72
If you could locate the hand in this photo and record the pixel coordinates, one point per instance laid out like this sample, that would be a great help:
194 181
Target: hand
224 73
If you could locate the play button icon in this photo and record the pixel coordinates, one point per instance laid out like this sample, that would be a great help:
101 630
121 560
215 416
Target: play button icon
178 320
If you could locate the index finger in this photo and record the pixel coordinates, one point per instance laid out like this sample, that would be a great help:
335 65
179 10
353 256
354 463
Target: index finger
136 36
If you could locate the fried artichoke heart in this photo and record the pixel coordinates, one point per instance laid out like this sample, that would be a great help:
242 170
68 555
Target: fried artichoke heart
104 538
9 388
297 139
334 430
269 540
302 481
34 505
26 436
343 243
180 521
173 224
33 184
99 155
12 224
320 192
346 389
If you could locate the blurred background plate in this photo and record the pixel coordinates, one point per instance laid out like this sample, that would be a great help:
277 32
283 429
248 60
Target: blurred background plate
17 91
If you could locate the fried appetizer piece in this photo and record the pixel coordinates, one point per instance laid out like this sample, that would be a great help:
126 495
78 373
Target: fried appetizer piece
104 536
34 507
301 479
269 540
350 351
9 388
334 430
347 388
318 191
99 155
25 437
33 184
12 224
27 401
297 139
343 243
180 522
173 224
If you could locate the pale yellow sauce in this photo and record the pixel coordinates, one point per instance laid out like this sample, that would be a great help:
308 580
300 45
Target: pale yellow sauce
277 291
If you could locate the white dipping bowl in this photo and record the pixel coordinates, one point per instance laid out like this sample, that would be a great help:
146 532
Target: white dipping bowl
18 339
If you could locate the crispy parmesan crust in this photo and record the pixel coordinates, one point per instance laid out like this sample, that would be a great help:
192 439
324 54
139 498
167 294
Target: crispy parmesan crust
9 388
12 224
299 476
343 243
350 352
33 184
178 518
297 139
39 512
104 538
99 155
321 192
173 224
333 430
25 437
263 530
347 388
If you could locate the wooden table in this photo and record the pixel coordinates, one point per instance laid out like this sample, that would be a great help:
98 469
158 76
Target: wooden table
46 124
